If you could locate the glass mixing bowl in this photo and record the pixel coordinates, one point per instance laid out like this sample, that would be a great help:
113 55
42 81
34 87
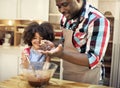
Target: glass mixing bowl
39 73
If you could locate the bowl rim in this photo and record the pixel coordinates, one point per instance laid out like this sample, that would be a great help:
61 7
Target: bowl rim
41 69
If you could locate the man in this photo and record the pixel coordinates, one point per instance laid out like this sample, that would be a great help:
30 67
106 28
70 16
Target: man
86 35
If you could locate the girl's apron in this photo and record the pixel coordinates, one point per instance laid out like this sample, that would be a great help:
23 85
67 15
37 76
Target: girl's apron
75 72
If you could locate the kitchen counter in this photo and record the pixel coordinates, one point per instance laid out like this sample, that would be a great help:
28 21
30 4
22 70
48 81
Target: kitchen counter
20 82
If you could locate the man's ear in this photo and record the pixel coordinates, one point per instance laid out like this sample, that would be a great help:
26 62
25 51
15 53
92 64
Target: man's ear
78 1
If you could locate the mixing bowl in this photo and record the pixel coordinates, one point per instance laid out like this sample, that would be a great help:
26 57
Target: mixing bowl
39 73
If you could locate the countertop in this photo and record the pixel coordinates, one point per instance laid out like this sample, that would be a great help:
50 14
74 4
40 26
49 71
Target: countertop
20 82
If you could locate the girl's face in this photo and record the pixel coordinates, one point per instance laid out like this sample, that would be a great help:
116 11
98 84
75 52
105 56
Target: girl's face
36 41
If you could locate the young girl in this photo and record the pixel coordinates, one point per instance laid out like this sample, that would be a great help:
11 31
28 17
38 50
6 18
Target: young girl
33 36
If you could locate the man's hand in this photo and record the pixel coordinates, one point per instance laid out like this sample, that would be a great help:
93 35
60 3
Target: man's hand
46 45
53 52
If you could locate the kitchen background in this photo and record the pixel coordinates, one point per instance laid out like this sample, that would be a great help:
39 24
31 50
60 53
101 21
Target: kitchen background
16 14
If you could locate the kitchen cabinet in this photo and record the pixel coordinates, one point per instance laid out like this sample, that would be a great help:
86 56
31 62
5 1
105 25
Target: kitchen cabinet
4 30
24 9
30 9
15 28
8 9
9 65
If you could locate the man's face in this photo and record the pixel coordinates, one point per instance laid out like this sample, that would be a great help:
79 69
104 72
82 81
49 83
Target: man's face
69 8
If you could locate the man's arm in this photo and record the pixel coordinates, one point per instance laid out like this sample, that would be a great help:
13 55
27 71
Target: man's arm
65 54
75 58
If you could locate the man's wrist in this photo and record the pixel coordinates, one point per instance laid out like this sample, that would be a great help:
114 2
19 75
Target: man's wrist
57 42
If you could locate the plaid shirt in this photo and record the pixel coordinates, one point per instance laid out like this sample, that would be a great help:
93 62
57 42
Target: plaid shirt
91 31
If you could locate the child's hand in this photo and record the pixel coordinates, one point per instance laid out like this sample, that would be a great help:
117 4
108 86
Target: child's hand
25 60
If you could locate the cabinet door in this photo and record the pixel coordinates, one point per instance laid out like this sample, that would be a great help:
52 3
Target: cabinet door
9 65
8 9
34 9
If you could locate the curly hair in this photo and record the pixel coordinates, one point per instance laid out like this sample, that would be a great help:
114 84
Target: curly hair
48 31
45 30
